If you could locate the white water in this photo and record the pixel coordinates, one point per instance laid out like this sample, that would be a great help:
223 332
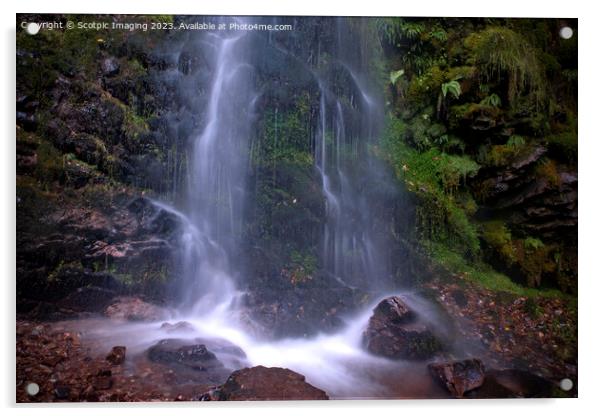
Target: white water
336 363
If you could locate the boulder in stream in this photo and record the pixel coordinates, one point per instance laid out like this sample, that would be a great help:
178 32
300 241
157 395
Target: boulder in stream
459 376
266 383
117 355
394 331
191 361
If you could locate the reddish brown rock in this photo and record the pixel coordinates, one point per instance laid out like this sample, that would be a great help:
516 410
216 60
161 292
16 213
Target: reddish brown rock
394 310
117 355
103 380
459 376
181 326
134 309
262 383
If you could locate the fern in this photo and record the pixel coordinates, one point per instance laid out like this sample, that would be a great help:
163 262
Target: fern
452 87
492 100
533 244
395 75
515 141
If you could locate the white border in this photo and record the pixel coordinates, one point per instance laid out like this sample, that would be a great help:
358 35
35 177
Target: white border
590 233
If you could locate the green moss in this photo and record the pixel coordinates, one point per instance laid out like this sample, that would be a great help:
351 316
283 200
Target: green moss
501 52
497 235
50 165
485 276
434 177
548 170
301 267
424 89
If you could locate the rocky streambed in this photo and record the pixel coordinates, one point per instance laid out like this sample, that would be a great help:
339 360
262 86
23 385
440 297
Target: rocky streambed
136 353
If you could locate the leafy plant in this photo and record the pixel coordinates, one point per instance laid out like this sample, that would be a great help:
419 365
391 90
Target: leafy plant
499 52
394 76
452 87
532 244
439 34
515 141
492 100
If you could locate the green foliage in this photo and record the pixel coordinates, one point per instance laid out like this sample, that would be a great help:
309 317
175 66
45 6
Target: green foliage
439 34
424 89
302 267
564 144
395 29
285 136
480 93
133 124
532 244
492 100
434 177
515 141
548 170
499 52
484 275
50 165
503 154
394 76
452 87
497 235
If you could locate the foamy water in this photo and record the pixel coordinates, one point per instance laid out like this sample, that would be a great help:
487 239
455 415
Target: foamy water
336 363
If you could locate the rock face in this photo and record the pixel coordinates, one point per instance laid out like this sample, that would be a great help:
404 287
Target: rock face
263 383
110 248
459 376
395 332
134 309
87 299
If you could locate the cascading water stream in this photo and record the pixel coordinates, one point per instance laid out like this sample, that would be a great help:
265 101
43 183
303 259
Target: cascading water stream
216 183
211 227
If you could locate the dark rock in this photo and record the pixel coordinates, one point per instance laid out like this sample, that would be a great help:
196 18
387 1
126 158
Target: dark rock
27 158
109 66
27 120
459 376
262 383
62 392
77 174
134 309
103 380
460 298
117 355
394 332
514 383
170 351
89 394
189 362
88 299
491 389
393 310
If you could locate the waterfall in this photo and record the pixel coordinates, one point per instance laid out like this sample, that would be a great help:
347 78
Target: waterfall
223 98
350 250
217 177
